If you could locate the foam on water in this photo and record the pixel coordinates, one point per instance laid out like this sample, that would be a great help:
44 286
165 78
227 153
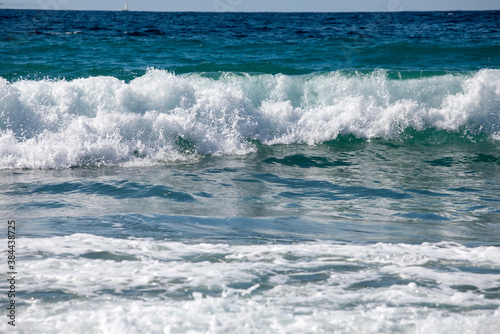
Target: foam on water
87 283
162 116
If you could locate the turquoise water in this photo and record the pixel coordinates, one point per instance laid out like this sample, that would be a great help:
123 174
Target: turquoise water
228 172
65 44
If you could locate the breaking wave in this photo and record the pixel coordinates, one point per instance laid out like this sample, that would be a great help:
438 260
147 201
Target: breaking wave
162 116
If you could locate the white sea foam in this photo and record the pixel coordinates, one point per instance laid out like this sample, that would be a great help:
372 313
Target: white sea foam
220 288
162 116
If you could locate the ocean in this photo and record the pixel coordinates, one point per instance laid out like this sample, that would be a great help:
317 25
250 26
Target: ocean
249 172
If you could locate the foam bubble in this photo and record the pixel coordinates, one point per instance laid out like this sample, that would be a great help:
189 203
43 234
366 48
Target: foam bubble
161 116
86 283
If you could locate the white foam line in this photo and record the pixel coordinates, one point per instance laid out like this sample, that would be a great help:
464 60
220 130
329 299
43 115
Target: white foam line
257 287
161 116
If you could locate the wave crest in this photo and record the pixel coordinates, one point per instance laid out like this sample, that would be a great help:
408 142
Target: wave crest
163 116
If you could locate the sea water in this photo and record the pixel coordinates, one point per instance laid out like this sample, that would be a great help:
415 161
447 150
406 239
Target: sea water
251 173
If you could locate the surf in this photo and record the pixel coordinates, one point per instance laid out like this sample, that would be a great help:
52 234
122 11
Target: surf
162 116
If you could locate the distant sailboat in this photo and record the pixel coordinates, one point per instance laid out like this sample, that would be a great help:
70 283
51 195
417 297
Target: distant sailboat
125 9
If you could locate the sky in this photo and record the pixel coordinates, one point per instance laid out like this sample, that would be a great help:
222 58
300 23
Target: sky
257 5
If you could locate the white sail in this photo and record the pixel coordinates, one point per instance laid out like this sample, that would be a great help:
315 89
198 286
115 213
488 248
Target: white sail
125 9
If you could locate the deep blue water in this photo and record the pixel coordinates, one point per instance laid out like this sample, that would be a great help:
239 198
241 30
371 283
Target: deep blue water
66 44
264 172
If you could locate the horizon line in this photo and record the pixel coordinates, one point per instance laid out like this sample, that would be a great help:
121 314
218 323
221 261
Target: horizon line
256 12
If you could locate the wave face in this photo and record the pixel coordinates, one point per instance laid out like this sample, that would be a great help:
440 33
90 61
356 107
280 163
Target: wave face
161 116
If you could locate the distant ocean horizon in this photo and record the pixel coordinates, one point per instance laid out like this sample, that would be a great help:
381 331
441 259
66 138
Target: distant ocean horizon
194 172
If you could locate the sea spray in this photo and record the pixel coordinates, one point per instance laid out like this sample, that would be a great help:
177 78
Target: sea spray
161 116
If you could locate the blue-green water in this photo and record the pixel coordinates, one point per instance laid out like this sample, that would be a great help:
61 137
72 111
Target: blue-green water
228 172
